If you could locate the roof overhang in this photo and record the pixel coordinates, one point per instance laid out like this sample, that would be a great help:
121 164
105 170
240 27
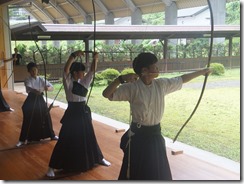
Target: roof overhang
38 31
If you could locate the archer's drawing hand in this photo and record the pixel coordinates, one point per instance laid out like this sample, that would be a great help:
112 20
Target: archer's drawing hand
207 71
48 88
79 53
95 55
131 77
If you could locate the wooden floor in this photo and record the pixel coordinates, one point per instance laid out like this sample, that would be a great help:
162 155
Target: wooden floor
30 162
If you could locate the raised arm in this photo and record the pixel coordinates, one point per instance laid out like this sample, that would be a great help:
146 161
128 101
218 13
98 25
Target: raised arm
93 67
71 59
187 77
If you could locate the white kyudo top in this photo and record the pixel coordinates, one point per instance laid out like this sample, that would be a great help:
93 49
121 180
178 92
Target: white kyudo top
37 83
147 101
68 85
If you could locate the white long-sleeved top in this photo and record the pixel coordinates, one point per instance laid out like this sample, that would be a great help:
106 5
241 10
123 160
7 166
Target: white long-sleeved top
37 83
147 102
68 86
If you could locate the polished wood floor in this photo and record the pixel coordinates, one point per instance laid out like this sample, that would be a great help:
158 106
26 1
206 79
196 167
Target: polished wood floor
30 162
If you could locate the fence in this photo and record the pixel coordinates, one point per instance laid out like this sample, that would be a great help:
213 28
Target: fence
55 71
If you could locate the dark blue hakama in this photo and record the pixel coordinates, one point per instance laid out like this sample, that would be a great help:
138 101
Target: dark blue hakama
77 149
37 123
148 158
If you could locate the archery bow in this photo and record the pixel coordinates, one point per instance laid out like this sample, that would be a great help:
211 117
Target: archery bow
44 63
7 24
94 46
206 76
94 37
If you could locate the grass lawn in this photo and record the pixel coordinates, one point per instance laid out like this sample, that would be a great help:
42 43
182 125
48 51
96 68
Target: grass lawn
215 126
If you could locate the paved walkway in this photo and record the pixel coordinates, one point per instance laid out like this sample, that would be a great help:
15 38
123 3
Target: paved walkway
214 84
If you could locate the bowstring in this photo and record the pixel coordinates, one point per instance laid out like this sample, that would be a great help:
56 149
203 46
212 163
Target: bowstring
206 76
45 81
94 49
44 62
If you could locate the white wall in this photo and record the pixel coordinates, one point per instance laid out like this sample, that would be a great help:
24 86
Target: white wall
200 19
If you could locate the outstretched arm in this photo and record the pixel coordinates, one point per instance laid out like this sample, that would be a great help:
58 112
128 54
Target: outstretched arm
6 60
9 59
187 77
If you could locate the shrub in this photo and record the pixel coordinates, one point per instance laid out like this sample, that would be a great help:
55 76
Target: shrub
48 75
127 70
99 80
110 74
217 69
98 76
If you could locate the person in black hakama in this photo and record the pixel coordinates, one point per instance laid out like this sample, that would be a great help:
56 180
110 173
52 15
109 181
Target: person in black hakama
37 122
143 145
3 104
77 149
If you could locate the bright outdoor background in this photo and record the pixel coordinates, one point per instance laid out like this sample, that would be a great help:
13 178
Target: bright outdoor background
215 126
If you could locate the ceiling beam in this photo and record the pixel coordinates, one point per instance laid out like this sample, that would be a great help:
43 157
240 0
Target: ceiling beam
60 10
131 5
78 8
42 9
167 2
33 14
102 6
7 2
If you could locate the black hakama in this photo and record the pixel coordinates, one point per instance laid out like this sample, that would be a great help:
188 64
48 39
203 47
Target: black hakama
3 104
77 149
37 123
148 159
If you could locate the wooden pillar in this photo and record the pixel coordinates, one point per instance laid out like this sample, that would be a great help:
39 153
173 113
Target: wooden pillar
5 50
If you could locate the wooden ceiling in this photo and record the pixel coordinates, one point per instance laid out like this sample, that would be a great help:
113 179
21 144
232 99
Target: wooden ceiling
77 11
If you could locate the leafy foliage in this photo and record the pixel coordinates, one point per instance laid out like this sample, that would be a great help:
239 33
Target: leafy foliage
154 18
127 70
99 80
217 69
233 13
110 74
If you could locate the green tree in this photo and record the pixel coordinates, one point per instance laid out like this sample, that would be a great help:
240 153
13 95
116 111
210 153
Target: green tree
154 18
233 13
